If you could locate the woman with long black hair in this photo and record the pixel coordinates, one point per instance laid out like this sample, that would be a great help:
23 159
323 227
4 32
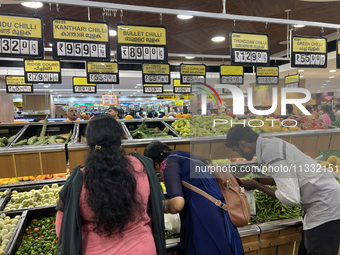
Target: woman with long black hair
104 206
329 117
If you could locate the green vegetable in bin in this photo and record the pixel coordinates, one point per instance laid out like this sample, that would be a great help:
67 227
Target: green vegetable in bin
4 140
11 138
144 133
2 144
23 142
42 133
7 227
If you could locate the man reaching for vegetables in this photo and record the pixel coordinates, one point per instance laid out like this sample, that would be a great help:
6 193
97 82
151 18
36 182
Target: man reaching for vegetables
300 180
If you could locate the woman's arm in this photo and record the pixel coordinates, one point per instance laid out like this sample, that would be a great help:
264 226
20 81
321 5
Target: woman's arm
174 205
58 221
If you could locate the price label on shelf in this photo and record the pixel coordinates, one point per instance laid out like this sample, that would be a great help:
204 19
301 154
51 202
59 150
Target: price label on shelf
156 73
180 88
17 84
21 36
80 85
308 52
102 72
80 40
153 89
231 75
292 81
267 75
142 44
42 71
249 49
191 74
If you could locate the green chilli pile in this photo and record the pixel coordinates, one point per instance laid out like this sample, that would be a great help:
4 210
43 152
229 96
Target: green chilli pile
142 132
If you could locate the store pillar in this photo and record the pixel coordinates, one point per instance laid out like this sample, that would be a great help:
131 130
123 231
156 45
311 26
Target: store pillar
7 108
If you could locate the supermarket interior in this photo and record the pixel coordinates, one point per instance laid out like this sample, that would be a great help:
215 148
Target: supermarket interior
192 75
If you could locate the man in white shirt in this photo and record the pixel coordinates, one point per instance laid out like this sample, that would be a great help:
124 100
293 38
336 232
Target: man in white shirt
300 180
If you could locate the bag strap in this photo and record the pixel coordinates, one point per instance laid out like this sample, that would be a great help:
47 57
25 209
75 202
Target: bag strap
217 202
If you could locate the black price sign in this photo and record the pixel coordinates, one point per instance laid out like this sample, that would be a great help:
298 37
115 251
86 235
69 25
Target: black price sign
80 85
338 54
156 73
142 44
180 88
191 74
76 39
21 36
231 75
267 75
249 49
102 72
308 52
17 84
292 81
153 89
42 71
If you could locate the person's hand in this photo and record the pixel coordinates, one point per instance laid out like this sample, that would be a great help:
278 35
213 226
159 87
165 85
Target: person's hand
249 184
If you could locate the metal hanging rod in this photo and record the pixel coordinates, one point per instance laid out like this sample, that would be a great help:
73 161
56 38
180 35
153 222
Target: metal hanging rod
136 8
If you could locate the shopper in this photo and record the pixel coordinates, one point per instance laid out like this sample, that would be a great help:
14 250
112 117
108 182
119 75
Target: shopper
203 224
72 114
289 109
104 207
299 180
337 109
161 114
113 111
318 109
120 113
329 117
312 111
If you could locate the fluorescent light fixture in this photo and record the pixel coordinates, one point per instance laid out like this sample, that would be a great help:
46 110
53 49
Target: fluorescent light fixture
130 95
184 16
47 49
325 84
218 39
46 86
139 84
299 25
51 90
189 57
134 93
322 87
32 4
113 32
331 77
328 81
82 95
136 87
301 70
332 71
301 76
110 91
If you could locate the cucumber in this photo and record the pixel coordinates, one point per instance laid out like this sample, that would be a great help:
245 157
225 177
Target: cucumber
21 143
11 138
32 140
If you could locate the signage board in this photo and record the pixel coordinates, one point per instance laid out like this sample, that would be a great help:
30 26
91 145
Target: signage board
17 84
267 75
189 96
42 71
191 74
180 88
102 72
338 54
109 99
156 73
292 81
231 75
17 104
167 97
80 85
153 88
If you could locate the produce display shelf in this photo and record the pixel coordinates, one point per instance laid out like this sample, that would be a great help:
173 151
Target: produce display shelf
30 183
279 224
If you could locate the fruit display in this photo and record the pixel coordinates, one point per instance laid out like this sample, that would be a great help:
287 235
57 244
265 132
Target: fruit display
307 124
182 126
40 238
34 198
6 181
7 227
142 132
332 163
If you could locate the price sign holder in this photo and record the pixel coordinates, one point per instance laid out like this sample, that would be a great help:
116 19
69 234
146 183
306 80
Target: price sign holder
231 75
80 40
17 84
191 74
249 49
142 44
21 36
308 51
156 73
153 89
42 71
267 75
338 54
80 85
292 81
180 88
102 72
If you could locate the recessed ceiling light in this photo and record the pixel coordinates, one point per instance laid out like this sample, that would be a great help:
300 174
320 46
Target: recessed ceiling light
331 77
332 71
110 91
299 25
136 87
328 81
139 84
283 42
189 57
134 93
82 95
325 84
51 90
322 87
46 86
50 44
130 95
32 4
301 70
59 95
218 39
113 32
184 16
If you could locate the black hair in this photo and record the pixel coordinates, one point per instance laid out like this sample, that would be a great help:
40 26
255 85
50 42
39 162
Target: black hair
150 115
155 114
327 108
113 108
157 151
289 108
108 178
240 133
309 108
337 106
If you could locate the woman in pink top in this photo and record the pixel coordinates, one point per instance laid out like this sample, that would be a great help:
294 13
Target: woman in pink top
114 197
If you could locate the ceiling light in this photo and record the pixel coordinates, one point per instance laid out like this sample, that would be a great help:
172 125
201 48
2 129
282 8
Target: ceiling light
189 57
32 4
130 95
50 44
283 42
301 76
331 77
185 16
325 84
51 90
337 90
59 95
218 39
110 91
332 71
301 70
134 93
322 87
113 32
139 84
299 25
136 87
46 86
82 95
328 81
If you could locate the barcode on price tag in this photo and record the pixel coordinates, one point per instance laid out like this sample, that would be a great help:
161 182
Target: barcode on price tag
292 85
182 89
232 79
192 78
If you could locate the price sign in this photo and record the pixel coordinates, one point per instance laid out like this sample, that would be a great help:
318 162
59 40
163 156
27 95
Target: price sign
17 84
249 49
177 103
191 74
17 104
167 97
308 52
142 44
231 75
156 73
153 89
188 96
292 81
180 88
21 36
80 85
42 71
102 72
267 75
76 39
108 99
338 54
261 87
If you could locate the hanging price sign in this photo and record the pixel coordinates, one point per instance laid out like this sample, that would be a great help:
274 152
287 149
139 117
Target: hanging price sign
42 71
267 75
308 52
109 99
156 73
231 75
249 49
167 97
80 85
76 39
191 74
142 44
21 36
153 89
292 81
102 72
180 88
188 96
338 54
17 84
